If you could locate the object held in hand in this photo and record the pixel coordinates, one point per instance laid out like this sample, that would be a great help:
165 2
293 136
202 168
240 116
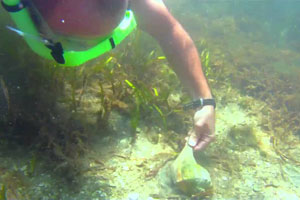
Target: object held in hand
192 143
199 103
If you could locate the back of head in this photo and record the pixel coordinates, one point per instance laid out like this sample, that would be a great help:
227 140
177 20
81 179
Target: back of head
82 18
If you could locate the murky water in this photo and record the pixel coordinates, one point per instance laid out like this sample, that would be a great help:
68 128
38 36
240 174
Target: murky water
112 128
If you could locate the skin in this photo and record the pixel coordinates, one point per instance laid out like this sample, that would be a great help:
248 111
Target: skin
73 17
154 18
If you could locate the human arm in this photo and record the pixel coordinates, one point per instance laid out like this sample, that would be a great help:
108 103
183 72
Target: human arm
154 18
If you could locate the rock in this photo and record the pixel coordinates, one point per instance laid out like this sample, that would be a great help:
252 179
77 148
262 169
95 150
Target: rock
173 100
190 177
293 174
279 194
133 196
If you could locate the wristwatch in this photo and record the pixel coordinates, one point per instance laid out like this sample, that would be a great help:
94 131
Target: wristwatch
199 103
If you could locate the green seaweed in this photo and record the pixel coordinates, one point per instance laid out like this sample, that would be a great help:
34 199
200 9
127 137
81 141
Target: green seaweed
243 137
205 58
3 192
64 107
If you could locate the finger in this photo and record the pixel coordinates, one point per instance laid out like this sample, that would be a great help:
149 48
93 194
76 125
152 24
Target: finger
203 143
201 126
193 139
190 132
188 135
187 138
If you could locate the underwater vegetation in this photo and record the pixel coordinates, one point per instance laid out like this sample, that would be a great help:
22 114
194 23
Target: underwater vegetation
66 107
58 111
242 137
251 74
14 184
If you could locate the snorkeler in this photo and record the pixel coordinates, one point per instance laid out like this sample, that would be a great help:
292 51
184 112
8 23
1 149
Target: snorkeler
72 32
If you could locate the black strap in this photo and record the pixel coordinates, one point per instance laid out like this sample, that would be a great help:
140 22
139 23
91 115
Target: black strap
57 52
112 42
200 103
15 8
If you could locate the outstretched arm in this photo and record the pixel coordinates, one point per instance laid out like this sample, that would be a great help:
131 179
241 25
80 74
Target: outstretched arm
154 18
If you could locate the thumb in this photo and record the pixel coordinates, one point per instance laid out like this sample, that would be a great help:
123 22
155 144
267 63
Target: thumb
193 139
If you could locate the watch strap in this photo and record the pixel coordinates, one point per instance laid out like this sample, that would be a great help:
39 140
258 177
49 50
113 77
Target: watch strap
200 103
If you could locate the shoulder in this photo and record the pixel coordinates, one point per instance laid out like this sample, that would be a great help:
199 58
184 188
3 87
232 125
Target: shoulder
152 15
148 7
146 4
147 1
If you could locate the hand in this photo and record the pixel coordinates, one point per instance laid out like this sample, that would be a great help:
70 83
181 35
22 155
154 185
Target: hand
203 132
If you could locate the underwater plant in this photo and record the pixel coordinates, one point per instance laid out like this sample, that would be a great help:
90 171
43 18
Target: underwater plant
243 137
205 58
13 184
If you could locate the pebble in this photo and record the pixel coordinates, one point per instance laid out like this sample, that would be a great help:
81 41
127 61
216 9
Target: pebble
133 196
